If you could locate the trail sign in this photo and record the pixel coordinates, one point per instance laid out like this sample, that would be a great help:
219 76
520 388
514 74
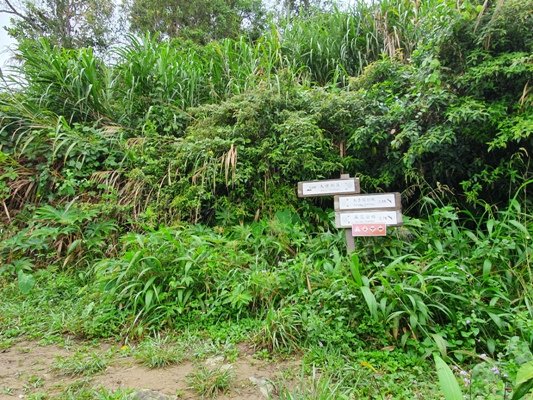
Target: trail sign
358 214
328 187
346 219
368 202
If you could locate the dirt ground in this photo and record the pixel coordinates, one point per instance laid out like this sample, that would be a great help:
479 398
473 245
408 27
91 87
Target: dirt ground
26 368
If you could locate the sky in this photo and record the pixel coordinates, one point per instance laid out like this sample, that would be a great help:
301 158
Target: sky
5 40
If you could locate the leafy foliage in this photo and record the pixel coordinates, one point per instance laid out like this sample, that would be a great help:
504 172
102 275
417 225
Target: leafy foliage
447 381
201 21
67 23
161 189
414 125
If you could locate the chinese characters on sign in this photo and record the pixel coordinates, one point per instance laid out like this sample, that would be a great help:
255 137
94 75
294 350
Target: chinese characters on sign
346 219
358 214
367 201
328 187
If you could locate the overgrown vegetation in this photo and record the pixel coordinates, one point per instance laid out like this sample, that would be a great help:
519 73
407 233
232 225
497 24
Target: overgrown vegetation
210 382
156 193
81 363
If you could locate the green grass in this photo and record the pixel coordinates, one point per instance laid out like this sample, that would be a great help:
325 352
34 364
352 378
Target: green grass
8 391
81 363
211 382
281 330
33 382
346 339
360 373
155 194
83 390
159 352
38 396
314 387
64 312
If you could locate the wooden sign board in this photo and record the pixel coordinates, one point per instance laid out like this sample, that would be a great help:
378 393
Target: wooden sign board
345 219
368 202
369 230
358 214
328 187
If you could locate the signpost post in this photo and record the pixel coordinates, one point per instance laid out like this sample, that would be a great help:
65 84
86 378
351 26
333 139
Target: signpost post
358 214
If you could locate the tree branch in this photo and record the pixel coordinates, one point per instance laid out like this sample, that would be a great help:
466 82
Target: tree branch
13 9
17 13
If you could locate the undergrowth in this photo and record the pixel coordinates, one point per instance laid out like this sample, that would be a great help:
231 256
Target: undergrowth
442 285
156 194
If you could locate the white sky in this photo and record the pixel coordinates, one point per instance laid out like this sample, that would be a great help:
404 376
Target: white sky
5 40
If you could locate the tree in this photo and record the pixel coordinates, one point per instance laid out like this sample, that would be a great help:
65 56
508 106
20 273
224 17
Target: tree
66 23
299 7
199 20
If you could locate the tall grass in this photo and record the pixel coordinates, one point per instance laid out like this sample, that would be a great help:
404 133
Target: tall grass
72 83
333 46
153 86
151 72
472 271
322 48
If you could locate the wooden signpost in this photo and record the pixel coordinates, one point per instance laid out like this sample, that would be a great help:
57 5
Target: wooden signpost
358 214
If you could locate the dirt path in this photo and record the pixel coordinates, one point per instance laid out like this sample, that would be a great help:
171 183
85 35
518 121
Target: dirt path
28 367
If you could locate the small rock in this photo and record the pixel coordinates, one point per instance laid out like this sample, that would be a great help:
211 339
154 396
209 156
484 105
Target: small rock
150 395
263 384
226 367
214 361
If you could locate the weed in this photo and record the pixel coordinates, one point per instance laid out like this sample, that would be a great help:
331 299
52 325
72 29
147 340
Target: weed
82 390
281 330
33 382
202 349
158 352
9 391
81 363
38 396
210 382
6 343
231 353
315 387
263 354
